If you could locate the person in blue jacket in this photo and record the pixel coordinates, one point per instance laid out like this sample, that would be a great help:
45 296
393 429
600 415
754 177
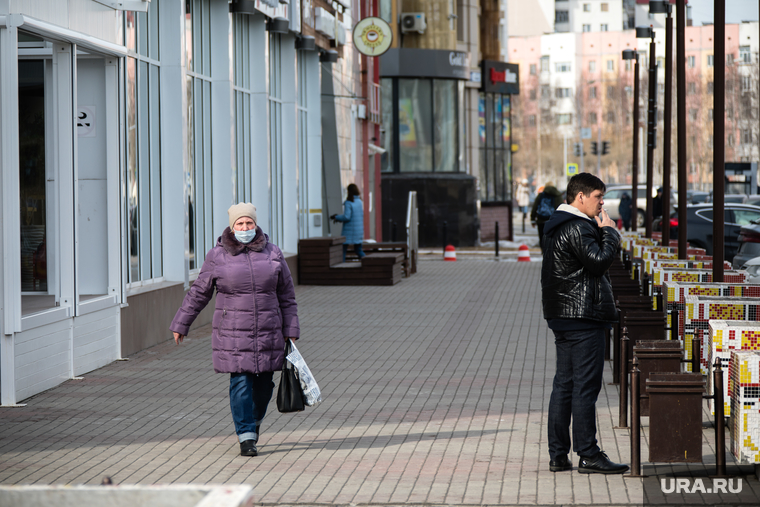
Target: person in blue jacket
353 221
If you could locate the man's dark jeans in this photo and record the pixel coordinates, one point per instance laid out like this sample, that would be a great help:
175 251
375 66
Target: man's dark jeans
580 364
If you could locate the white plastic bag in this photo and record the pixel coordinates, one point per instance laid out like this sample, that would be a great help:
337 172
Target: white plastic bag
312 394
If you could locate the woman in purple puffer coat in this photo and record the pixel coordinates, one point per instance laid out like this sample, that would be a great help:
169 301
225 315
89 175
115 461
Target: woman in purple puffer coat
255 314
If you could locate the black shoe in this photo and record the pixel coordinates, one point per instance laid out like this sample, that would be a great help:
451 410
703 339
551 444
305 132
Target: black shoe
248 448
600 464
560 464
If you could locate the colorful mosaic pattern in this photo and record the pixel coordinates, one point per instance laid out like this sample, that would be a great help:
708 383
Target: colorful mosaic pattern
724 337
744 372
675 293
699 310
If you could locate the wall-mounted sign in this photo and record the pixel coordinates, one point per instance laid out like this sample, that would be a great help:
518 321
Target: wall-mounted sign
86 121
435 63
372 36
500 77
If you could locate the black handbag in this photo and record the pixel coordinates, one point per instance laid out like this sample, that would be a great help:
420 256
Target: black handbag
289 394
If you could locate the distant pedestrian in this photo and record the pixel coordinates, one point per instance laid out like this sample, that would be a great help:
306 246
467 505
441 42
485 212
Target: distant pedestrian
543 207
522 196
581 243
657 204
353 221
625 210
255 314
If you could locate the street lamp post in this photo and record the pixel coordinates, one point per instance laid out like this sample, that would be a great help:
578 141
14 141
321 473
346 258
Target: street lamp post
642 33
719 129
681 114
631 54
664 7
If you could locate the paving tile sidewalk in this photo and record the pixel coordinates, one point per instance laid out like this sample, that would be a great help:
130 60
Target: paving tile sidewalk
435 393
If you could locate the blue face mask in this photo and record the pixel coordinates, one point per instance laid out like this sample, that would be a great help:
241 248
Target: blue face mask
245 236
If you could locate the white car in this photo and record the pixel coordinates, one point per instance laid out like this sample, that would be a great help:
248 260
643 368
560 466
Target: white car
615 192
752 267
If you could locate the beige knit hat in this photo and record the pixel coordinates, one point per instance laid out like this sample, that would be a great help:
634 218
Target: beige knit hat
241 209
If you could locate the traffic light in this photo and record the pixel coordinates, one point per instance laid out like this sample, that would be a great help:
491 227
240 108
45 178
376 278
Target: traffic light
578 149
605 147
594 148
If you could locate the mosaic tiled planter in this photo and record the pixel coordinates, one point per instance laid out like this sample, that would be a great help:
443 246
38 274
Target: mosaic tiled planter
724 337
699 310
745 406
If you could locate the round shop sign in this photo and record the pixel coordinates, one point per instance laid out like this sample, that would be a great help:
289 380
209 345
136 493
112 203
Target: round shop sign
372 36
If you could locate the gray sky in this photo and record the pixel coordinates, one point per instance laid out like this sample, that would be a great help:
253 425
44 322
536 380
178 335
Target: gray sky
736 11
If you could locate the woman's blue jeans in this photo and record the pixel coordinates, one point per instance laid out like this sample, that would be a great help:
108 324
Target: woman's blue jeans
357 250
577 382
249 396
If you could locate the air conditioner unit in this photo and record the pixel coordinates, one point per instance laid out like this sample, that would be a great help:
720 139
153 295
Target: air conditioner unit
413 22
324 22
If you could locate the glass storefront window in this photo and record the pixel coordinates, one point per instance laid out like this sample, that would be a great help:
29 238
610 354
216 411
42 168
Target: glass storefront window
33 198
446 139
495 147
421 119
197 36
415 125
386 159
144 148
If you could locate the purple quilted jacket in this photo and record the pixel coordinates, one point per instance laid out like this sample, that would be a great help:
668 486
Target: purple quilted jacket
255 304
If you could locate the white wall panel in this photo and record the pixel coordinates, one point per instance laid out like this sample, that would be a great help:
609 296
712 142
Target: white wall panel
96 340
84 16
42 358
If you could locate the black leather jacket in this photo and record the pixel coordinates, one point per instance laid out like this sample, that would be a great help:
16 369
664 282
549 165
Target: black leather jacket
574 279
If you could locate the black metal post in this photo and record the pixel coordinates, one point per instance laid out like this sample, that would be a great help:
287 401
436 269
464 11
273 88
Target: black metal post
623 414
720 423
496 243
666 135
635 420
681 112
719 150
635 164
445 224
651 132
616 343
696 354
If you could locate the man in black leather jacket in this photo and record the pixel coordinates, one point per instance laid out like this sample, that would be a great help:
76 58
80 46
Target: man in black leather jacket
580 243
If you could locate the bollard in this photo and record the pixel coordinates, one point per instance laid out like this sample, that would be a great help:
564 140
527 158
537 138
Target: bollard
720 422
696 354
623 414
496 243
444 237
674 326
635 421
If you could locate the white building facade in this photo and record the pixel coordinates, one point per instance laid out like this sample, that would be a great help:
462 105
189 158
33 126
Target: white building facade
577 16
124 137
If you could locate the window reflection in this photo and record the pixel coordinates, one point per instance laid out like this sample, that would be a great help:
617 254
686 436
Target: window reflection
446 126
415 125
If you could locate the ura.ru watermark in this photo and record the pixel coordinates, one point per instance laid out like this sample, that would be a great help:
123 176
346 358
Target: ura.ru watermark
697 485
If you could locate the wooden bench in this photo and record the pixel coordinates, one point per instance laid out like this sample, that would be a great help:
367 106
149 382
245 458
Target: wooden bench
320 262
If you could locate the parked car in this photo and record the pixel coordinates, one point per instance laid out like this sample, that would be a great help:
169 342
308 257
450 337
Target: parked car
699 226
696 197
739 198
753 200
752 267
615 192
749 244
